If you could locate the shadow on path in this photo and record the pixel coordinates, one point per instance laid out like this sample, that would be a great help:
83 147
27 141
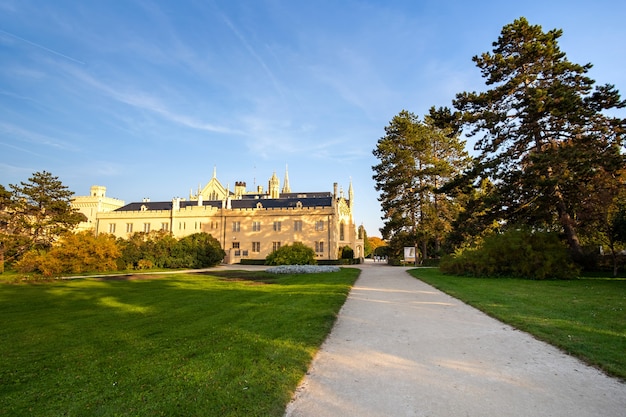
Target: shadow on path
402 348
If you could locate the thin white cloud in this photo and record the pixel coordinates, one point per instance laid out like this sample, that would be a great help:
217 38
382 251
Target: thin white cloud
44 48
9 130
146 101
277 85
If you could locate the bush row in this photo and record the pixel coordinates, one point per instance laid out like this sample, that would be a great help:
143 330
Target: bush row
514 253
83 252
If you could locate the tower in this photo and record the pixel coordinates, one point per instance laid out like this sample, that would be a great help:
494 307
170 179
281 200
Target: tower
274 186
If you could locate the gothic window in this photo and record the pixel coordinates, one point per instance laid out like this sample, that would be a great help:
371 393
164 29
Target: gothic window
319 247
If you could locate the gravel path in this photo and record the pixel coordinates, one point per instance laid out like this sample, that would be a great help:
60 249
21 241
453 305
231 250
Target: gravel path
403 348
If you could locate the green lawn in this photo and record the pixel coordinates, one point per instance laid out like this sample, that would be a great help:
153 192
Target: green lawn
169 345
584 317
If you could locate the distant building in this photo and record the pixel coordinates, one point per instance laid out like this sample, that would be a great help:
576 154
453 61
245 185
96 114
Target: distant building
94 203
248 224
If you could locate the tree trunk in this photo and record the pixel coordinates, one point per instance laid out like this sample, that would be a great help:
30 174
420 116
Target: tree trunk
568 228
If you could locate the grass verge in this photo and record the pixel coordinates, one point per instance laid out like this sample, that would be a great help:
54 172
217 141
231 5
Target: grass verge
175 345
584 317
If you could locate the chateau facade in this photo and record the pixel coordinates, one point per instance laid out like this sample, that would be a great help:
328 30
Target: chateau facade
248 224
96 202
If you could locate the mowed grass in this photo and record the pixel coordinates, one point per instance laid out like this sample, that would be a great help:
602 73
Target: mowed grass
584 317
168 345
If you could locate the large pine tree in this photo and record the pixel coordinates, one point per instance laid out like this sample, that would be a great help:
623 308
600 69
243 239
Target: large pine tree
416 158
546 141
38 212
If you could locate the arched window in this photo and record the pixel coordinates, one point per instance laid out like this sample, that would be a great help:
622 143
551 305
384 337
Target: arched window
341 232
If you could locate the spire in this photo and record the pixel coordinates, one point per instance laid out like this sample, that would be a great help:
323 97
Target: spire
286 188
351 192
274 186
214 171
351 197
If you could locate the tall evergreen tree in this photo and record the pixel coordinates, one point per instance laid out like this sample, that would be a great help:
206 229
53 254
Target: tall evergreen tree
40 211
416 158
545 140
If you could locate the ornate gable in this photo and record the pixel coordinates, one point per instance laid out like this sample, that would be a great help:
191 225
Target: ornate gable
344 210
214 190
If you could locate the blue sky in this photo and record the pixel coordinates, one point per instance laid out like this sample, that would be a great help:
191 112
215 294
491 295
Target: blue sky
148 97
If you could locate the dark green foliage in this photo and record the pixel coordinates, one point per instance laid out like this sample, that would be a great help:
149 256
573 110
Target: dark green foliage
161 250
199 250
514 253
296 254
415 159
347 253
546 141
154 247
381 251
34 214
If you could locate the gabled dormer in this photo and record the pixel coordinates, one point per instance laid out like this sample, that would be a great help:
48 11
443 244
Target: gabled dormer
213 190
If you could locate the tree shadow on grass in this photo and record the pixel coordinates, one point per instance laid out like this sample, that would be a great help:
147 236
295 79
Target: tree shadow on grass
184 344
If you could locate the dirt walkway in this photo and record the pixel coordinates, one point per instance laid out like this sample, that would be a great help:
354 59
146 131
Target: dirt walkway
403 348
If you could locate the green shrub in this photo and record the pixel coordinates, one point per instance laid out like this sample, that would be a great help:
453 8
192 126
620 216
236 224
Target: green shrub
199 250
347 252
296 254
515 253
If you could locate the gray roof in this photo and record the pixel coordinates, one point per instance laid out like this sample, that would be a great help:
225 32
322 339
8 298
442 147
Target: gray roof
248 201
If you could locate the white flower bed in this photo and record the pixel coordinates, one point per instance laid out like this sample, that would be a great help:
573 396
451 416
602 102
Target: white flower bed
302 269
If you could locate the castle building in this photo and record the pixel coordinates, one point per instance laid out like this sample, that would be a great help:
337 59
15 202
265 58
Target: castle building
95 202
248 224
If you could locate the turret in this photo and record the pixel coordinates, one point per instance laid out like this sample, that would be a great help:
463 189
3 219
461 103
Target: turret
240 189
274 187
98 191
